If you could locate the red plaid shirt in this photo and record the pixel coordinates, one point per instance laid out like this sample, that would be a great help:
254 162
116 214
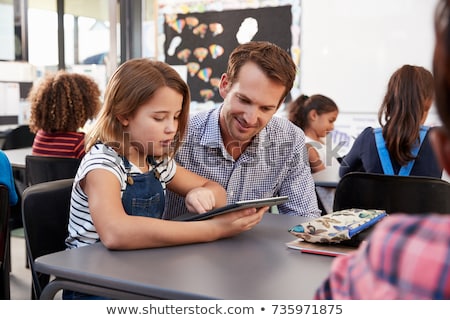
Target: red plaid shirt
407 257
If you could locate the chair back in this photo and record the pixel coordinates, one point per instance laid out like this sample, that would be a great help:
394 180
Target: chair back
394 194
407 194
20 137
4 243
45 215
42 168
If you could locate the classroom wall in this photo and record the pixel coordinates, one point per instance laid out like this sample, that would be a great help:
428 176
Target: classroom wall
350 48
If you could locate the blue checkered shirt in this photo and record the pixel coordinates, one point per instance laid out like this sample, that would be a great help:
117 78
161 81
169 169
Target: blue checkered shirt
274 164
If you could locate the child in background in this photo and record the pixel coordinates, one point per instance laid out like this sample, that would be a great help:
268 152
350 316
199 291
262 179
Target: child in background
315 115
60 106
401 145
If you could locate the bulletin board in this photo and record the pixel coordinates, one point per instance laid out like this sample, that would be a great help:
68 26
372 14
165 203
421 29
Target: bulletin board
203 42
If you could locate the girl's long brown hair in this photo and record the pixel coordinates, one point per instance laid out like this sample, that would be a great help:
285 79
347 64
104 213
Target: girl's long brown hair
133 84
409 92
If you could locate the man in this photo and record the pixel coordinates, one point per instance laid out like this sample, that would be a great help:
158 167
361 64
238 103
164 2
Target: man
241 145
407 256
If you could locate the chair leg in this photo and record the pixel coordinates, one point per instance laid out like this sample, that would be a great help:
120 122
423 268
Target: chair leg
8 247
33 293
27 263
325 198
8 251
5 269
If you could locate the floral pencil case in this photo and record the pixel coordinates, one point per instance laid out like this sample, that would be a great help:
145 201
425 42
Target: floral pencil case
337 226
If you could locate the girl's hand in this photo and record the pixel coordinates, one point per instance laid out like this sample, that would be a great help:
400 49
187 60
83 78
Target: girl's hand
200 200
235 222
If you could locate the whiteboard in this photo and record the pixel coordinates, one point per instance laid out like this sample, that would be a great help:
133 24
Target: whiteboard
350 48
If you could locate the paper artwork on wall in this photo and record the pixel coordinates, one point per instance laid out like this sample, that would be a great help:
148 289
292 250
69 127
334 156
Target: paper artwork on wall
203 42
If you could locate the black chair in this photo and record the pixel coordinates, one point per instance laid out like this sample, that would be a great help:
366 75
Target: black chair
394 194
45 216
320 204
42 168
19 137
5 265
410 194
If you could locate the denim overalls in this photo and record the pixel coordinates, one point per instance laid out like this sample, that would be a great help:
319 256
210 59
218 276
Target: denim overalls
144 194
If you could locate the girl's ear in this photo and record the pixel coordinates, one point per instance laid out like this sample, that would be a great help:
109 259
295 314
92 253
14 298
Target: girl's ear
124 121
313 115
441 145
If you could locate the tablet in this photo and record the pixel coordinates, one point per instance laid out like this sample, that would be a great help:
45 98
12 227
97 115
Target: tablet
257 203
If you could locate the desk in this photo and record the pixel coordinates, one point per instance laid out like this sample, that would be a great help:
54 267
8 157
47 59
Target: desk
17 156
253 265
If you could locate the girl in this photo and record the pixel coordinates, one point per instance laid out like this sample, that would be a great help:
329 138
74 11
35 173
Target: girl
119 191
60 106
315 115
401 145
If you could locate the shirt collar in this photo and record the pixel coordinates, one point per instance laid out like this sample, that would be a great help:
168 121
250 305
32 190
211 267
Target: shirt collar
213 138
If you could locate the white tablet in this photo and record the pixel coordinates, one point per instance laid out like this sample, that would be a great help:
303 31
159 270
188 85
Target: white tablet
257 203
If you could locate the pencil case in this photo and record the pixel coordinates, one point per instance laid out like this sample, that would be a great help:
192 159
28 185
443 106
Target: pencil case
337 226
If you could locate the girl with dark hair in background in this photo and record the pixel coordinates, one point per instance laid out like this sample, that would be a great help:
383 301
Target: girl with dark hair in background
315 115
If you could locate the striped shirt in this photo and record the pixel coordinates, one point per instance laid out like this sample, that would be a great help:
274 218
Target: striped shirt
407 257
59 144
274 164
81 228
